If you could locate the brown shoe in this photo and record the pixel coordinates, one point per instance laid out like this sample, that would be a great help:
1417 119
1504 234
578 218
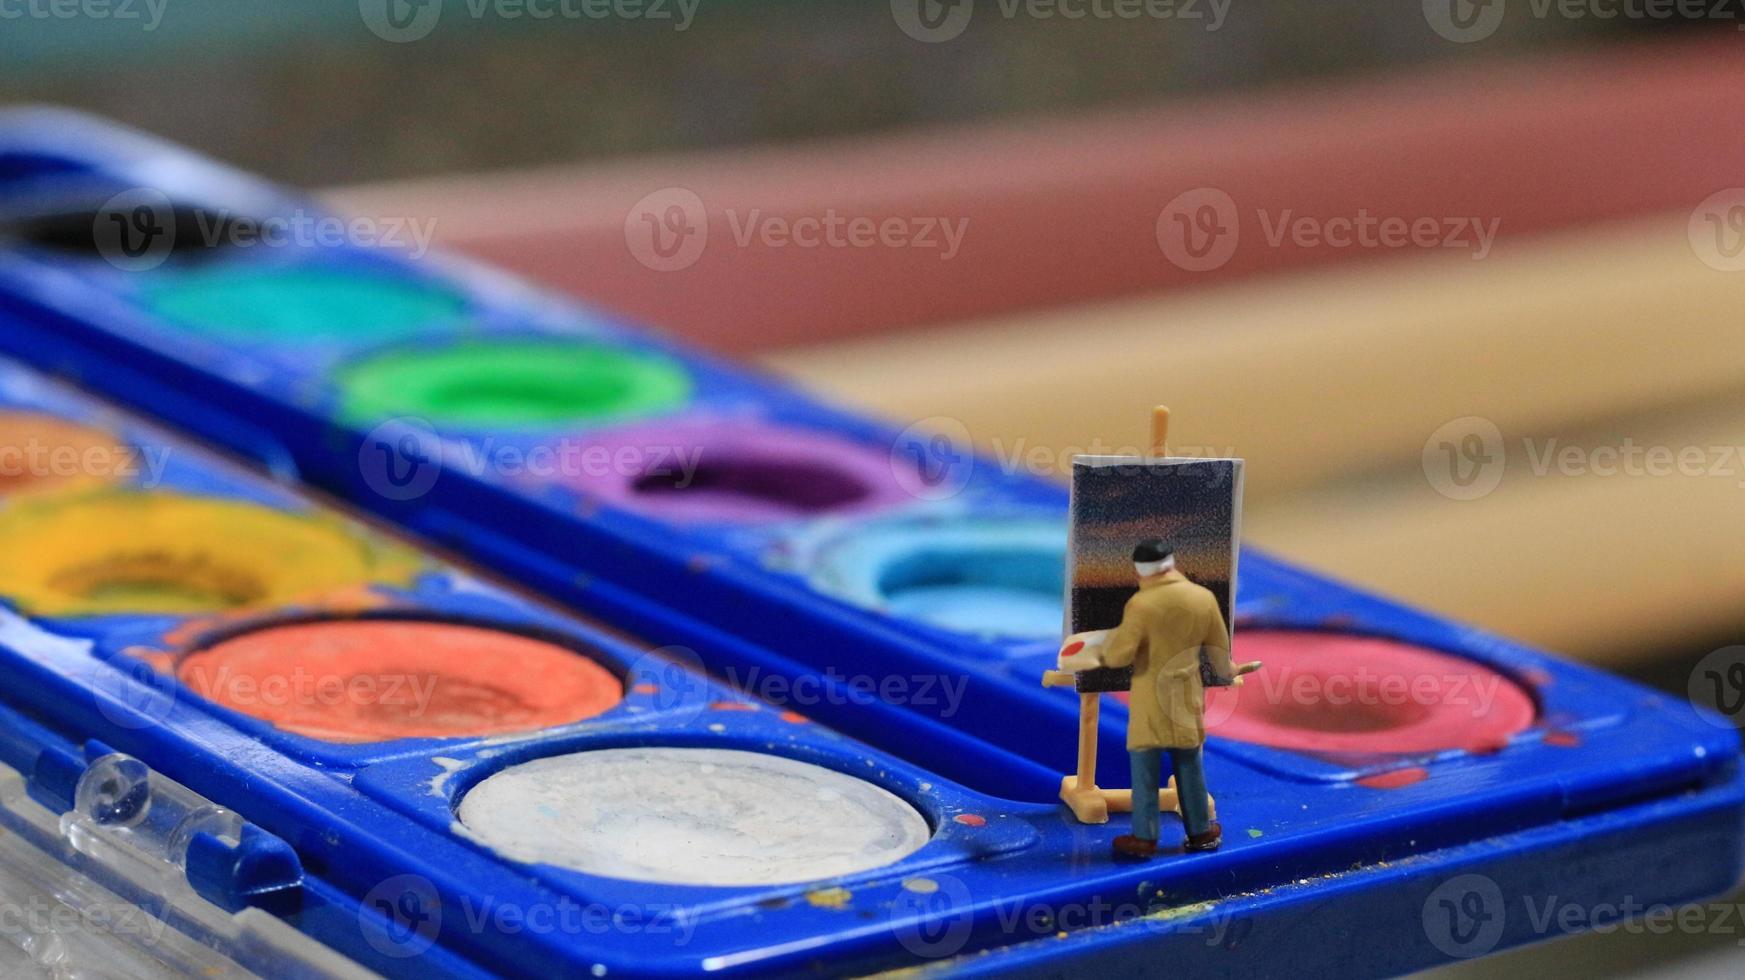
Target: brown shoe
1128 846
1207 841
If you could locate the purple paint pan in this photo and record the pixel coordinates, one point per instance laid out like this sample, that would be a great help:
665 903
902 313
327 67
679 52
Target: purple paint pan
731 471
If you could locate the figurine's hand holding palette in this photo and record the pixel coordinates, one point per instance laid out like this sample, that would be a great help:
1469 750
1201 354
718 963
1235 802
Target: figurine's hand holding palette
1082 651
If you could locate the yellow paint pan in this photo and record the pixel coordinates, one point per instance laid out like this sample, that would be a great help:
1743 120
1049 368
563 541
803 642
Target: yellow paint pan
111 551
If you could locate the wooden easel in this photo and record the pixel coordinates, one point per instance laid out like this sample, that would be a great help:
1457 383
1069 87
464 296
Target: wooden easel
1088 802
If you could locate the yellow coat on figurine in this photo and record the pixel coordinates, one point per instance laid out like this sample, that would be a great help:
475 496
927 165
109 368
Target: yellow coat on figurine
1163 630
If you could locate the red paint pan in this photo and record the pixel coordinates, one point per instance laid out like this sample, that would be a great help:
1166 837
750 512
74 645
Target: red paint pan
1339 694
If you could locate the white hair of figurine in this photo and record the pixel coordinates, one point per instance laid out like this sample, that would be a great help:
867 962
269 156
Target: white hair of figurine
1146 569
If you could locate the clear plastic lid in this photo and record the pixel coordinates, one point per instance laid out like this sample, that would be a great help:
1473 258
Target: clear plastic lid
60 923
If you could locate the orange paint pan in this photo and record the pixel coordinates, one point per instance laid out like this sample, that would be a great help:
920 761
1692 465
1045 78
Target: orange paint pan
41 453
375 680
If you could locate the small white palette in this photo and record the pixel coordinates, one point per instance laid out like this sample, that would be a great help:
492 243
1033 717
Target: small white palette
691 817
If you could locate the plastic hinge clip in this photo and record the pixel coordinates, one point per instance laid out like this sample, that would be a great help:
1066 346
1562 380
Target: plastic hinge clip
124 813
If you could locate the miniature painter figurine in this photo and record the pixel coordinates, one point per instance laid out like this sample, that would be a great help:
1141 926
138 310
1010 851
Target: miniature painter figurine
1166 629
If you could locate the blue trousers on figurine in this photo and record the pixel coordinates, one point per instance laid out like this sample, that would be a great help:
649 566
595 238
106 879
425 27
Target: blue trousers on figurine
1190 785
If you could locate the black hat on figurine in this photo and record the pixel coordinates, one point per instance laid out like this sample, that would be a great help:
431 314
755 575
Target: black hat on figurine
1152 550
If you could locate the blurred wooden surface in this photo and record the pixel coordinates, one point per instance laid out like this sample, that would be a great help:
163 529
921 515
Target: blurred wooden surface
1331 383
1066 209
1590 322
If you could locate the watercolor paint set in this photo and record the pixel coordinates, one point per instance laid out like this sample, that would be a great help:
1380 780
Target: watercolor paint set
869 778
307 718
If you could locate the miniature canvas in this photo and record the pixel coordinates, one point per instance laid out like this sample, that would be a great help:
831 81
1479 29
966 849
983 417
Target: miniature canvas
1117 501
